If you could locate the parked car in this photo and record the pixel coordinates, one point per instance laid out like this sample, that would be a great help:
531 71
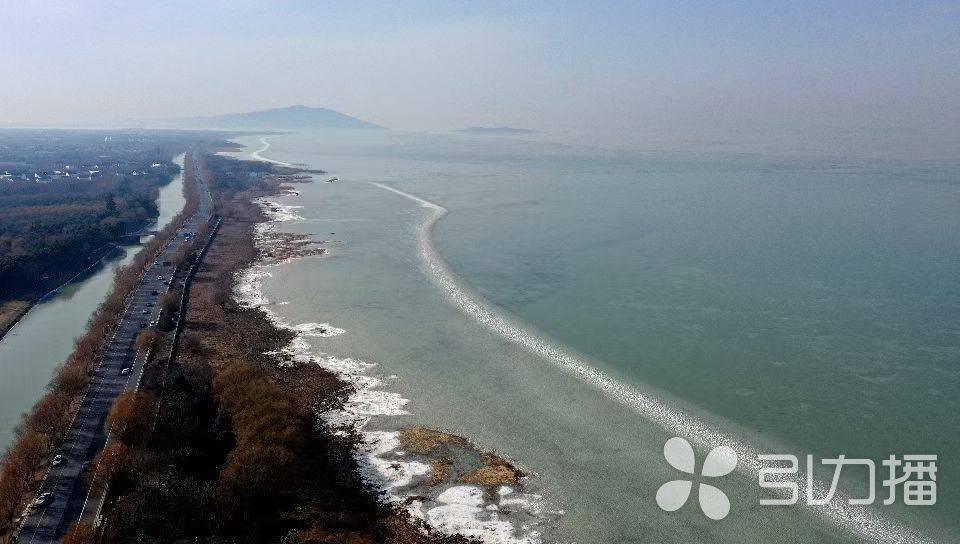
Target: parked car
58 460
125 371
154 292
146 312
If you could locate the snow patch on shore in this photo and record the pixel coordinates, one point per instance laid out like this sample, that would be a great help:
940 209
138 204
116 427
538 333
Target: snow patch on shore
462 511
506 518
324 330
280 212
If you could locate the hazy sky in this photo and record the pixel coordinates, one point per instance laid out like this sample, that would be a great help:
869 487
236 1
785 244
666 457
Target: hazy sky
641 73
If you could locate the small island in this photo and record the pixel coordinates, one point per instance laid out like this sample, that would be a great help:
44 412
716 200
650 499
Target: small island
496 130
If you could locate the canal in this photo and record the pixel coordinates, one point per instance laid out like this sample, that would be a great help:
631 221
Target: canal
33 348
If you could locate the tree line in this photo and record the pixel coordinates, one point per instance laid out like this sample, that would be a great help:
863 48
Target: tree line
44 427
51 231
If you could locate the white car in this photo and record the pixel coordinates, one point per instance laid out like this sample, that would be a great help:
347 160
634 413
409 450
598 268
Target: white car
42 499
125 371
58 460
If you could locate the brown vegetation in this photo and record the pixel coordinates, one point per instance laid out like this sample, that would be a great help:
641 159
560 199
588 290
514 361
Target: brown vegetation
243 459
46 424
130 417
80 533
110 465
438 471
10 313
423 440
269 426
169 304
148 340
494 471
179 258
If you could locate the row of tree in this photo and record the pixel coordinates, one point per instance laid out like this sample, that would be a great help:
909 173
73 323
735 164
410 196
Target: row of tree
47 236
45 426
228 442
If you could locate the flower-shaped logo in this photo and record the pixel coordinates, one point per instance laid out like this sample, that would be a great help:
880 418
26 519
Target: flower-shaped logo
674 494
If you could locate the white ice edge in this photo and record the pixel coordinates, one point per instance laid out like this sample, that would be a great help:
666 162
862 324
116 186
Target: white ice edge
382 464
860 522
266 145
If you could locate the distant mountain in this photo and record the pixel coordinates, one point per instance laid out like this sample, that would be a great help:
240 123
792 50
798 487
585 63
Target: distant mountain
289 118
497 130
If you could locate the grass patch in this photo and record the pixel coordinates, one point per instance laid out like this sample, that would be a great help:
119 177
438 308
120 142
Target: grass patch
495 471
422 440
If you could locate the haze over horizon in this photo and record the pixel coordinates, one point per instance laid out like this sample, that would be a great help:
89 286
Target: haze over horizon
875 80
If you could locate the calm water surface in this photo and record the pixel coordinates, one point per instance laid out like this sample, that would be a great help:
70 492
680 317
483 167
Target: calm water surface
801 305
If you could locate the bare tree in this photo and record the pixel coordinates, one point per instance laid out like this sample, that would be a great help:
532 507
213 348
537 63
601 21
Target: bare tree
148 339
81 532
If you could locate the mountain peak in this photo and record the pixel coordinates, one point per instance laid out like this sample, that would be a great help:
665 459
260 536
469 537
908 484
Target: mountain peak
296 117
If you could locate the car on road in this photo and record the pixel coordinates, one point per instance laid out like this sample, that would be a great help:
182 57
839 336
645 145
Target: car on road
42 499
58 460
125 371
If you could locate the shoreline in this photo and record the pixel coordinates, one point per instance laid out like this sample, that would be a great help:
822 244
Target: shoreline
653 406
440 480
266 145
31 303
11 312
329 481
